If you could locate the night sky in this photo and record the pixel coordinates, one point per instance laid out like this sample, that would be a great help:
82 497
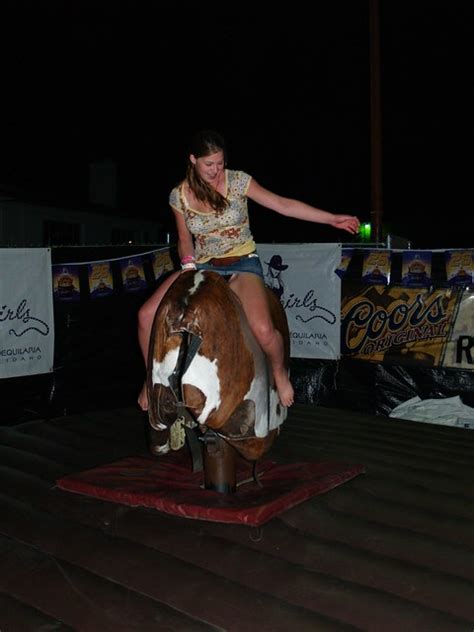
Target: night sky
289 91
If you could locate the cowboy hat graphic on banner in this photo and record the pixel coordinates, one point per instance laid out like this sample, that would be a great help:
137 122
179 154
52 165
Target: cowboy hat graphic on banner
303 277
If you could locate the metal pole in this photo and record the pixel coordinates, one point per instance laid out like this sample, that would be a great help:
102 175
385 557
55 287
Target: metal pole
376 212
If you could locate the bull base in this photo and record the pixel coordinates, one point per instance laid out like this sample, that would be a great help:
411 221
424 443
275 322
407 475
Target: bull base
219 464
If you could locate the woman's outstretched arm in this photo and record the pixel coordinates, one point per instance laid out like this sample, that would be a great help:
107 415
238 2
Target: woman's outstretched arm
300 210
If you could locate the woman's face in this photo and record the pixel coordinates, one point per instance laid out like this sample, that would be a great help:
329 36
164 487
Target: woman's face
209 167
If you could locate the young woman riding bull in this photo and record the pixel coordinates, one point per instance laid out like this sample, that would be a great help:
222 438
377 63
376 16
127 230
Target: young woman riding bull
210 208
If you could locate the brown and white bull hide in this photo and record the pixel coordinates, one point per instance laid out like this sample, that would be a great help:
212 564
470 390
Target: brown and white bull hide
228 385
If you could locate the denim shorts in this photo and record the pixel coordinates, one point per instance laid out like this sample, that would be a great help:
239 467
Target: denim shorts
246 264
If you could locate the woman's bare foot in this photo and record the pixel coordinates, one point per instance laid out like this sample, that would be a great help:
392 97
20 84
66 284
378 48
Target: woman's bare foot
143 398
285 389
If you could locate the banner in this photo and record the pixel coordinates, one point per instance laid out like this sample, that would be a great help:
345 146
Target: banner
346 256
460 348
376 267
66 283
416 268
101 281
459 267
133 275
26 312
161 262
304 279
398 325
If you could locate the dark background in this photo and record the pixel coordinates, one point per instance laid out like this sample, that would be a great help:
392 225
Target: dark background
84 81
288 87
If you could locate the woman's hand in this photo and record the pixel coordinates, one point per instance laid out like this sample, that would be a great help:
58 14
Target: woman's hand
346 222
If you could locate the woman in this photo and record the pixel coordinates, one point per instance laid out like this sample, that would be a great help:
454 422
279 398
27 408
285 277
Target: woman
210 208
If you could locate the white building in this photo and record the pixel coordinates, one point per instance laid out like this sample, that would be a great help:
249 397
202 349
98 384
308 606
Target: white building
26 224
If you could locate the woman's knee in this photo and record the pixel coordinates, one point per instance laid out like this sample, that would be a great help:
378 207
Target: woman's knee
146 314
264 331
147 311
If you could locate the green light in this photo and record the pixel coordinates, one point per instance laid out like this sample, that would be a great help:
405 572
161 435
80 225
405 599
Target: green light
365 231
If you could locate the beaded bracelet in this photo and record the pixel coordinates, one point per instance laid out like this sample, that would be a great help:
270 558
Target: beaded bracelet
188 263
188 259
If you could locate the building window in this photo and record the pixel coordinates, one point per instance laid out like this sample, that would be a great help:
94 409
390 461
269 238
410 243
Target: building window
61 233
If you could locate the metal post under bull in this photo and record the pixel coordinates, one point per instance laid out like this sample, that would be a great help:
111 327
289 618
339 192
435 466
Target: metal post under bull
219 464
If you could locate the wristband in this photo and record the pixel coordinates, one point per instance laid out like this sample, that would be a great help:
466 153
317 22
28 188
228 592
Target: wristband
188 266
188 259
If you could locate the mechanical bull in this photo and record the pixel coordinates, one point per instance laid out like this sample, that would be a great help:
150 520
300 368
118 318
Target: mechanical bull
206 371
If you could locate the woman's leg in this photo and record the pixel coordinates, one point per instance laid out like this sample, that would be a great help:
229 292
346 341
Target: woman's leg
251 291
146 316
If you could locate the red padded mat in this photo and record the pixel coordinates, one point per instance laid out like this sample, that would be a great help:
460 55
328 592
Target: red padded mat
169 485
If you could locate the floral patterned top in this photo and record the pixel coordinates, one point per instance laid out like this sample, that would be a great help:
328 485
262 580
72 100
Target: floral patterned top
219 234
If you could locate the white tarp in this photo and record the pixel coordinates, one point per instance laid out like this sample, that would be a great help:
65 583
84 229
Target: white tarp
303 277
26 312
449 411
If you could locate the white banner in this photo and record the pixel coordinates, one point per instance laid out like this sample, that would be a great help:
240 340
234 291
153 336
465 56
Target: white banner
26 312
460 348
303 277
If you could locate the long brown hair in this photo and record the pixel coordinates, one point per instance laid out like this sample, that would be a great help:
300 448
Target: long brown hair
205 143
